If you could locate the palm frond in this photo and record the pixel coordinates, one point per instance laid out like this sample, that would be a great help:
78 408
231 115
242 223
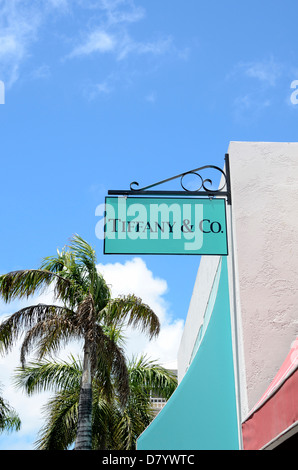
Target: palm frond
100 291
84 254
66 265
61 413
116 333
49 337
111 363
9 419
10 422
86 317
48 375
124 431
25 319
102 419
24 283
137 314
151 377
55 264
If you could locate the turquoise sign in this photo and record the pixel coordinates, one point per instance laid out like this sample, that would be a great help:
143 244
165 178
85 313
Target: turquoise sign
147 225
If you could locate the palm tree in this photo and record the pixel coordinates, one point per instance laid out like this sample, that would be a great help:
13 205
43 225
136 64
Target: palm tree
9 419
114 427
85 310
147 378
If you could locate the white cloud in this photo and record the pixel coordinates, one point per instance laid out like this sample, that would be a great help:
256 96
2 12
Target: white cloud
115 18
9 46
250 106
257 80
108 32
41 72
134 277
60 4
128 46
16 32
121 11
20 23
165 347
151 97
92 91
97 41
267 71
120 43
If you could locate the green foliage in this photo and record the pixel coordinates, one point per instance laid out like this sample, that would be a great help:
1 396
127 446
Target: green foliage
83 309
114 427
9 419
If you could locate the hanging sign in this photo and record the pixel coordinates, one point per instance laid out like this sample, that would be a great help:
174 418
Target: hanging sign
152 225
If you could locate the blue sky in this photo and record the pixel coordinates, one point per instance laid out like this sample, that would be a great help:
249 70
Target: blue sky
100 93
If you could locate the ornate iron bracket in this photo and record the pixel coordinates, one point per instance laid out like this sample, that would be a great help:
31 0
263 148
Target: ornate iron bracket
202 190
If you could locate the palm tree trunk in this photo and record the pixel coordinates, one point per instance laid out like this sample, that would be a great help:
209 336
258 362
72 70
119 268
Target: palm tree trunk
84 430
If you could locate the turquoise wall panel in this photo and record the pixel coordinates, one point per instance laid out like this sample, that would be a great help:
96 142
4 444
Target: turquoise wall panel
202 413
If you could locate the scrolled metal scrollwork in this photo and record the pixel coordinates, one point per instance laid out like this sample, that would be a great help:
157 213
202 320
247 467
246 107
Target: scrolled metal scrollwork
191 173
204 188
133 183
203 182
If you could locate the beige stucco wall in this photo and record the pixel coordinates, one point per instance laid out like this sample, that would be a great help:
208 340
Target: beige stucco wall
264 179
